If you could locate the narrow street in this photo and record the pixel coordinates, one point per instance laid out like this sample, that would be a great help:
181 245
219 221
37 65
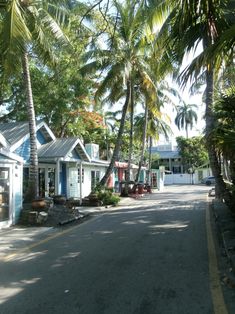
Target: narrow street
148 258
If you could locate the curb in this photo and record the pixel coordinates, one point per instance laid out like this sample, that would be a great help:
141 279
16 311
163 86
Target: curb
225 223
70 220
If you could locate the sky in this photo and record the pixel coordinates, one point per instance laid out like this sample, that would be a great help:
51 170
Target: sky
199 126
196 99
168 109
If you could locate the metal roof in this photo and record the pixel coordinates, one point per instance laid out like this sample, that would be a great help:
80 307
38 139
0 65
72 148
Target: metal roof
15 131
3 141
8 154
61 147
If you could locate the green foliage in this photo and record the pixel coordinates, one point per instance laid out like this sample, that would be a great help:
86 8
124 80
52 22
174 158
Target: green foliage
223 135
155 161
58 88
106 196
193 151
185 116
34 24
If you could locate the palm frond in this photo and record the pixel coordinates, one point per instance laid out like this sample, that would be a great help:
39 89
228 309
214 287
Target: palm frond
14 35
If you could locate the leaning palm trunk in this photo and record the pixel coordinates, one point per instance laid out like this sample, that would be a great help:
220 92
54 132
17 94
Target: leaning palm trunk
130 152
143 143
119 138
32 190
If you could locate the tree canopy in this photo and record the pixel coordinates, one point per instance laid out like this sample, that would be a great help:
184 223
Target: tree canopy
81 61
193 152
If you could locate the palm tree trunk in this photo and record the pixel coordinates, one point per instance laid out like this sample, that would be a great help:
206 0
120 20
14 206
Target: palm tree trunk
150 159
186 129
119 138
131 135
32 191
143 143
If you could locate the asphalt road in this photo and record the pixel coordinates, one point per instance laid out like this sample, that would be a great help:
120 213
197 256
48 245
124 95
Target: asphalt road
148 258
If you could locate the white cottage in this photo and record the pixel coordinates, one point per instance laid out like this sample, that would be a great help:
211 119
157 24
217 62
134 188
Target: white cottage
66 168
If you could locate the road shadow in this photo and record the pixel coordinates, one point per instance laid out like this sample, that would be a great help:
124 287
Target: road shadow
111 263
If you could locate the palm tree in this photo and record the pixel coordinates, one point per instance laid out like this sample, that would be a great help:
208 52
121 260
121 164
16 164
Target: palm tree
141 123
122 63
156 127
28 26
150 126
185 116
189 24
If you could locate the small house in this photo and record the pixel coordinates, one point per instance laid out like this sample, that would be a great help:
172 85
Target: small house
10 185
65 166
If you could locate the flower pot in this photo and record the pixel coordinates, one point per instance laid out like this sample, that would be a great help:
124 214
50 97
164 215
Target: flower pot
59 199
38 204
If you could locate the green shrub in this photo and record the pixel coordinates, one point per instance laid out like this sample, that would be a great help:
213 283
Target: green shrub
108 198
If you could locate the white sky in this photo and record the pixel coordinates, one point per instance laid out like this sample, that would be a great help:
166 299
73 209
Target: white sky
198 128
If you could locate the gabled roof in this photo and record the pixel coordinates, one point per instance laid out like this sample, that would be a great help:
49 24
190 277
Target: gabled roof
14 132
8 154
61 148
3 141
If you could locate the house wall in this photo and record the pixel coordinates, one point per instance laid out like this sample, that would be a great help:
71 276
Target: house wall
24 149
86 188
17 191
11 191
73 186
172 164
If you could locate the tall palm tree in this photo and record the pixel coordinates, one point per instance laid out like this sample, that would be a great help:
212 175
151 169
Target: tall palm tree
152 123
28 26
122 63
186 116
188 24
156 126
141 123
149 127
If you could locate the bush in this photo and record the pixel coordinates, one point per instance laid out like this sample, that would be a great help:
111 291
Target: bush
108 198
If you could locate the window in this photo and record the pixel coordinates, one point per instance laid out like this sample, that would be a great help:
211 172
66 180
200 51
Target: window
176 169
51 181
79 175
4 193
95 178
